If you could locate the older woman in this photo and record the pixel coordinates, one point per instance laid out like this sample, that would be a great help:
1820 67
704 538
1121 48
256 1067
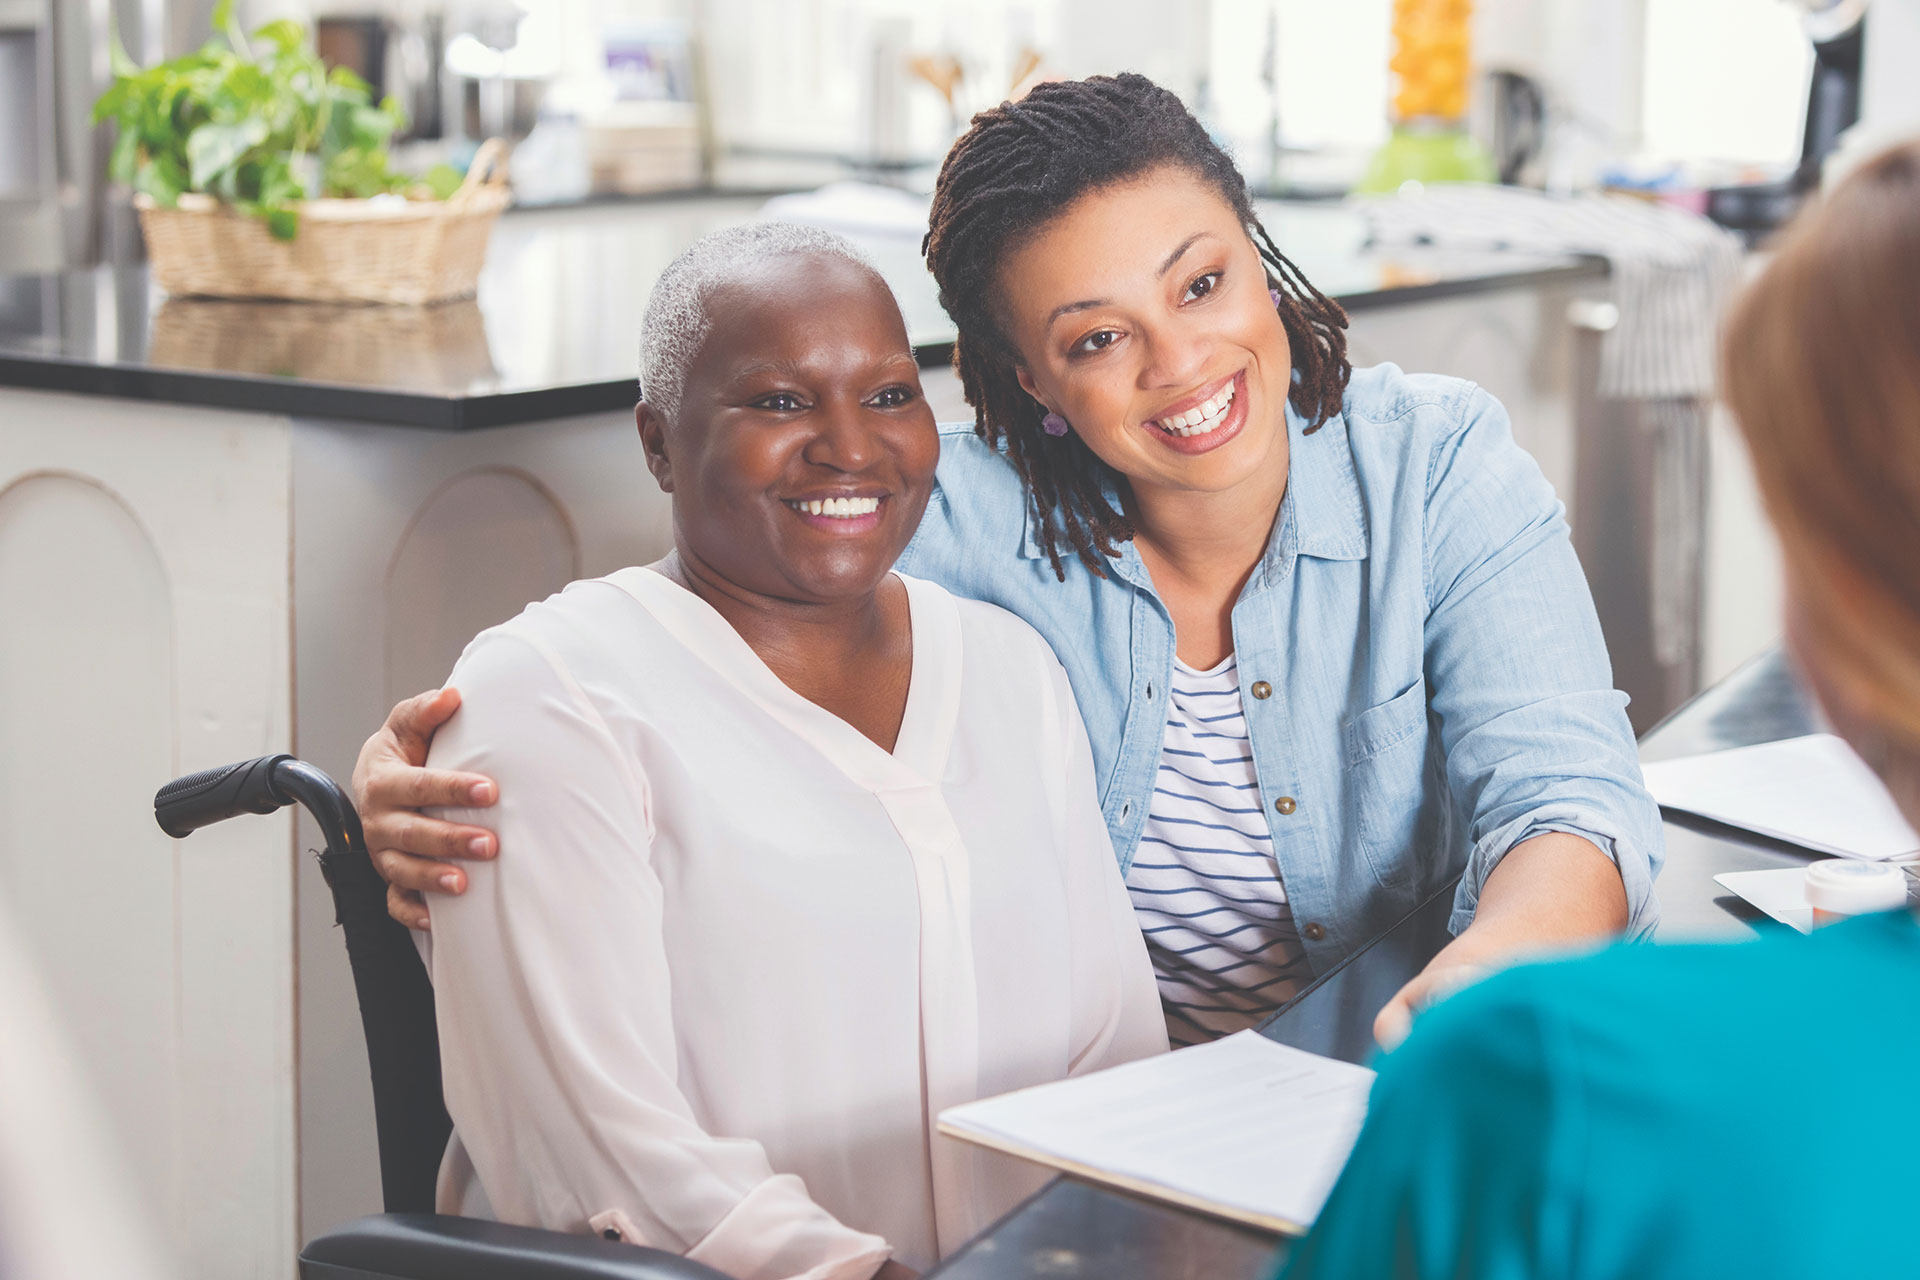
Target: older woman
1713 1111
806 850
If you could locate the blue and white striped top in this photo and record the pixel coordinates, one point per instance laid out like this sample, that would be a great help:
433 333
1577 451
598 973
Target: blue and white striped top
1205 886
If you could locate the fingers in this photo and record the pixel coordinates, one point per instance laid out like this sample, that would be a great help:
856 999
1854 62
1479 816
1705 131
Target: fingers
413 720
1391 1024
1434 984
399 786
408 908
418 875
406 832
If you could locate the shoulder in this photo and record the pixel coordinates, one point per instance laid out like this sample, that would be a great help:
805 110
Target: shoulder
552 637
1408 421
989 632
1387 395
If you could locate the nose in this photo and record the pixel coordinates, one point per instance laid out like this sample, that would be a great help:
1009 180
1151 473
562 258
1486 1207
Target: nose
1176 354
845 440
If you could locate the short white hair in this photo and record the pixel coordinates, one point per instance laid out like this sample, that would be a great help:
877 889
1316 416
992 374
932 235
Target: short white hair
676 321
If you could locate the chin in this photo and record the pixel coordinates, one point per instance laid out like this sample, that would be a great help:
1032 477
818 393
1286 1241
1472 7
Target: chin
849 575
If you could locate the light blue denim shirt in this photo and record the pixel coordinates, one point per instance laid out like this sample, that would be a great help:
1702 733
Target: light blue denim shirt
1422 669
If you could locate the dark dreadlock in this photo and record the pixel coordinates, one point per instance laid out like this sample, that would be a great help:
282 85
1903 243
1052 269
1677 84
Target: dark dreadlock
1015 168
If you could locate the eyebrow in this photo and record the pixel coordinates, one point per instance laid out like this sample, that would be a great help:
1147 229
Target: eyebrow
1089 304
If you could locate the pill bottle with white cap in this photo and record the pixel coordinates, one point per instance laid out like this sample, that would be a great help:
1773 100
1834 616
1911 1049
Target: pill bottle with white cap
1841 887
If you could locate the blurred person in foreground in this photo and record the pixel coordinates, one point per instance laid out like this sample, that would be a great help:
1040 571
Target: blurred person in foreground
1722 1110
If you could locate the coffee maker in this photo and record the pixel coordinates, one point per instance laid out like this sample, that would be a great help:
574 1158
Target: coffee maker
1838 31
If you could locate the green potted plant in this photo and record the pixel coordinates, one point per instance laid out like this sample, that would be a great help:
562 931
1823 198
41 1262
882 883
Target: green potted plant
259 172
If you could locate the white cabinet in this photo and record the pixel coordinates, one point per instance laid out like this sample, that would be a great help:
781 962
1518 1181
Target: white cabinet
183 587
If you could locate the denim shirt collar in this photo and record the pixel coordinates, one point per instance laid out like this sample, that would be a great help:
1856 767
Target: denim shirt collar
1320 517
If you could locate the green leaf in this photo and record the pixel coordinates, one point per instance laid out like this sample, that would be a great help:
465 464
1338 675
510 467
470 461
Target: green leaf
345 78
443 180
242 121
213 149
161 178
284 224
284 34
225 23
124 162
112 102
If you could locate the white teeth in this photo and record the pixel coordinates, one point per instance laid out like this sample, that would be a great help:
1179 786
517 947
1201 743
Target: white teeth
838 508
1202 418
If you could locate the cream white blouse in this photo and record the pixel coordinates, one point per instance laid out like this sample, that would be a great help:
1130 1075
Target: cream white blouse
734 958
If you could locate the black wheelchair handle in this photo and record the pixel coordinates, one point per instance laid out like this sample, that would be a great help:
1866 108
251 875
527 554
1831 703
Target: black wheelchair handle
186 804
260 785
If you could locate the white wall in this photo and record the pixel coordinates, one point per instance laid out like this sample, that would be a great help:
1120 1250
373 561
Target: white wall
1726 80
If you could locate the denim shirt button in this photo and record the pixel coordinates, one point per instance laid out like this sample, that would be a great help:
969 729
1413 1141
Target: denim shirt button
1285 805
1314 932
1262 690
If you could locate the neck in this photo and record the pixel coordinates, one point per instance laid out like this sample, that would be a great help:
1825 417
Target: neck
790 636
852 658
1211 541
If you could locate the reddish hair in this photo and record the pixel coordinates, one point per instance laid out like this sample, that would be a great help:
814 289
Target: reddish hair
1822 370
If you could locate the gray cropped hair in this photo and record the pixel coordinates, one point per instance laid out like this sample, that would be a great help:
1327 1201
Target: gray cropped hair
676 322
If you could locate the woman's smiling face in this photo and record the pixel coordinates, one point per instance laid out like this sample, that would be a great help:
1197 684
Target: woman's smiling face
802 454
1141 315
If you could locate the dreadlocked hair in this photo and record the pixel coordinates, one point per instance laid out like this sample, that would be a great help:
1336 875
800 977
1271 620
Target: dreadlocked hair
1018 166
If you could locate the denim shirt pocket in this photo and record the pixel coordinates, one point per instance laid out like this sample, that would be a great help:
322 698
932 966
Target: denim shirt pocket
1386 758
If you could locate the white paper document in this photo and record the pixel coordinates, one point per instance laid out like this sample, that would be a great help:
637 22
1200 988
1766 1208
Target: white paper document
1781 893
1242 1127
1812 791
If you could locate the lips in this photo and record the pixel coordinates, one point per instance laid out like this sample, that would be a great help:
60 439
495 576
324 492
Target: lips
836 508
1203 416
1206 421
845 514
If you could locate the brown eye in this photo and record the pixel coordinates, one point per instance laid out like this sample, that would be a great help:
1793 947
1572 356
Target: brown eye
894 397
1098 340
780 402
1202 285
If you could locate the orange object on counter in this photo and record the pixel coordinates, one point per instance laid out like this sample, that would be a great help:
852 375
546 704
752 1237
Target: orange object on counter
1431 59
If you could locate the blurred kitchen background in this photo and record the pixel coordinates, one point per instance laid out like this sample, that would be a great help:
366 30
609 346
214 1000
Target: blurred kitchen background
286 515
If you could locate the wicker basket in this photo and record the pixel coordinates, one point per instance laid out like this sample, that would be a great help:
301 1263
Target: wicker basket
413 251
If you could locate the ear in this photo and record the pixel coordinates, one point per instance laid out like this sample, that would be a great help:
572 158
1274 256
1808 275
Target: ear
653 442
1028 385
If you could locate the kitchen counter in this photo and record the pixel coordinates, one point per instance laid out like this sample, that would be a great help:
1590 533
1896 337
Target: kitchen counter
554 329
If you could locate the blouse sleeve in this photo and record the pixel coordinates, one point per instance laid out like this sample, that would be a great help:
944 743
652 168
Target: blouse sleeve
556 1026
1116 1006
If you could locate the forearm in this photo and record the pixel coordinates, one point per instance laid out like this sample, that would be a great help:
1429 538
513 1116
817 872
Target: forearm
1553 888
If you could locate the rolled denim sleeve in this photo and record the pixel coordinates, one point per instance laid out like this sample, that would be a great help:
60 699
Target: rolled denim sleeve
1535 735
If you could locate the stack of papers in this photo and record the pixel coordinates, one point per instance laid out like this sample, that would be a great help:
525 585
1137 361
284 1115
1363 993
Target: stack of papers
1813 791
1242 1128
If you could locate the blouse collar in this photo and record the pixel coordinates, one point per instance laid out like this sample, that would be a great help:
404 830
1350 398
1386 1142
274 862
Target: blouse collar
919 757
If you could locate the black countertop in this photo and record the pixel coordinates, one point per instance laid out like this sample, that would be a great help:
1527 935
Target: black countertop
554 329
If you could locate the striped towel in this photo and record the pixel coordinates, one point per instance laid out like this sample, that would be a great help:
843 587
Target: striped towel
1672 273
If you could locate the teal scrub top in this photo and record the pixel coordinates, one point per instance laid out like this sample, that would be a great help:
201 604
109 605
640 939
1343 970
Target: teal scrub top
1648 1112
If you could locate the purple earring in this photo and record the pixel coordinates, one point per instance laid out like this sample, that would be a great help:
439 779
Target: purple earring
1275 295
1053 424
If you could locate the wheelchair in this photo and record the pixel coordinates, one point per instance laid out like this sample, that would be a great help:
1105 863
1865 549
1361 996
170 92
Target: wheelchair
409 1241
